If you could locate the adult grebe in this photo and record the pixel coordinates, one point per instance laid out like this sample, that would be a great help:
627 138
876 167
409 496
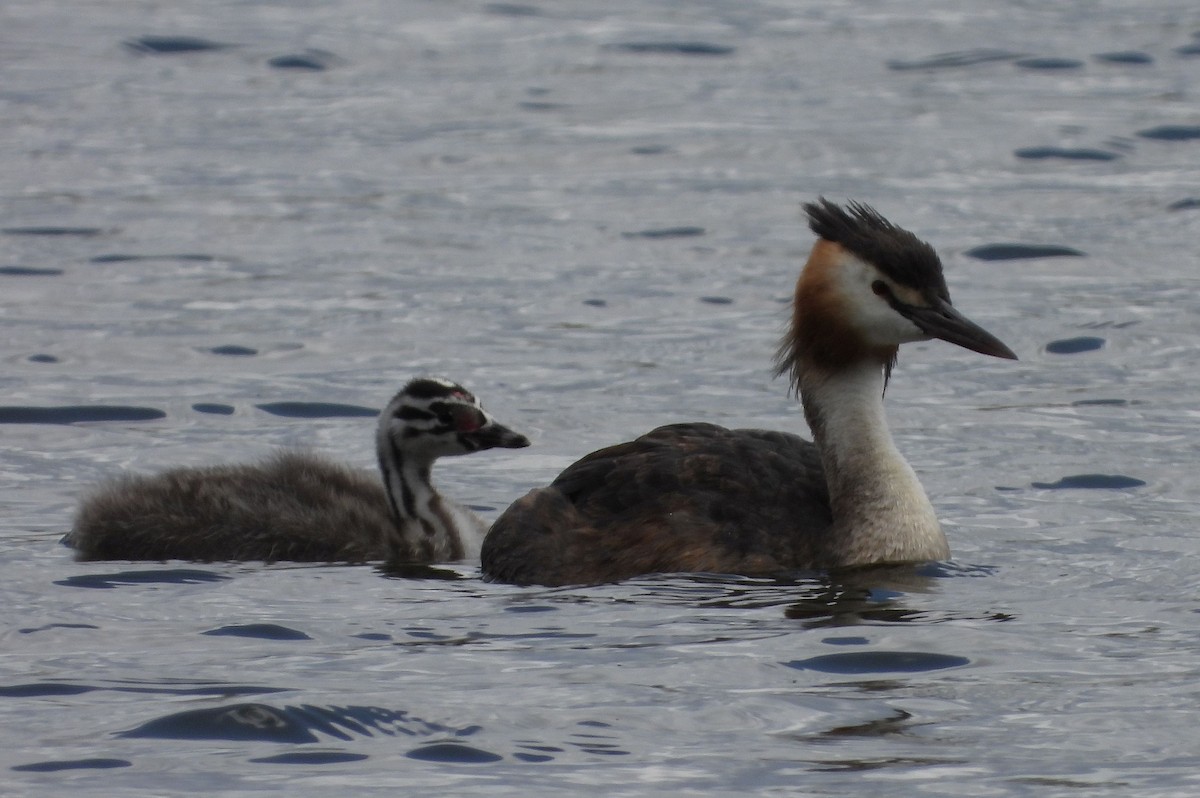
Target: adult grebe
297 506
702 498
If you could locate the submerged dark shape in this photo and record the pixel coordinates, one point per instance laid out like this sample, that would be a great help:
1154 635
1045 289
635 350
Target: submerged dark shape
955 60
307 61
1049 63
1171 132
1127 57
52 230
297 506
1092 482
1073 346
686 231
701 498
173 45
673 48
28 271
74 414
234 350
1022 252
1065 153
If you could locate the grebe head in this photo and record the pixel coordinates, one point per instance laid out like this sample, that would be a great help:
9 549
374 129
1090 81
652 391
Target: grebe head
869 286
433 417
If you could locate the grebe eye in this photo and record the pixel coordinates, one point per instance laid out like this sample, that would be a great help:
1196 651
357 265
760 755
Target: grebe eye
880 288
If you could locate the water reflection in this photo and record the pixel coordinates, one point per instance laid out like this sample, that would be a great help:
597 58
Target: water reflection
878 595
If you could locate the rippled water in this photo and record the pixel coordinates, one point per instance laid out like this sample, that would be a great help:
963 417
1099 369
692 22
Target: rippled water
588 213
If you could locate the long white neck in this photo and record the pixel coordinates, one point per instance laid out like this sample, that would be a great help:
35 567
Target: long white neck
880 511
428 528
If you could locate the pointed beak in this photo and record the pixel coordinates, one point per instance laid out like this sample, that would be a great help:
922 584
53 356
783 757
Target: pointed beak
495 435
941 320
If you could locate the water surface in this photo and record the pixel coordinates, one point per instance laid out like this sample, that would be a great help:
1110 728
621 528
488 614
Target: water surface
230 227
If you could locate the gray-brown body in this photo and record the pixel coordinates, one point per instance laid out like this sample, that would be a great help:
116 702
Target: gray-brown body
292 506
302 507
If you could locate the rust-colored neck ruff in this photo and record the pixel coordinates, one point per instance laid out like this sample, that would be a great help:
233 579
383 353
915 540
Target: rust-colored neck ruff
821 335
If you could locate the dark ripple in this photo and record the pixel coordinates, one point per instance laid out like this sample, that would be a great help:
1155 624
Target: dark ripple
1091 482
308 61
214 408
28 630
70 414
1189 204
667 232
1171 133
454 753
1065 153
1073 346
42 359
1188 50
42 689
289 724
52 230
859 662
543 748
317 410
672 48
955 60
172 45
28 271
1022 251
534 758
73 764
125 258
1049 63
167 576
716 300
531 608
845 641
596 303
1100 402
1131 57
49 689
233 350
261 631
310 758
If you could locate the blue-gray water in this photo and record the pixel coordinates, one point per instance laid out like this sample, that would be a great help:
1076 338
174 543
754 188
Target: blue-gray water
588 213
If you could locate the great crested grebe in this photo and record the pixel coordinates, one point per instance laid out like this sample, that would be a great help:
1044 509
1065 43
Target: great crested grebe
702 498
297 506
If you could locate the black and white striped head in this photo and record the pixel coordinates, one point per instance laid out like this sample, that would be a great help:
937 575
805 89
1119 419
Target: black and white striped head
433 417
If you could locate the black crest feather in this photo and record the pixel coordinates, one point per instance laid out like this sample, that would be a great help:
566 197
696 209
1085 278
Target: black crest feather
893 250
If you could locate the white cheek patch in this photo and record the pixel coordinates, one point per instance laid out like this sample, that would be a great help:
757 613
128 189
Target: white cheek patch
870 313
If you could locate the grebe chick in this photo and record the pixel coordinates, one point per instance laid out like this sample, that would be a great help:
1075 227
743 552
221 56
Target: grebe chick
702 498
298 506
